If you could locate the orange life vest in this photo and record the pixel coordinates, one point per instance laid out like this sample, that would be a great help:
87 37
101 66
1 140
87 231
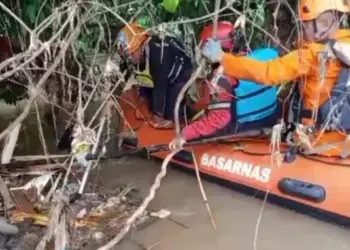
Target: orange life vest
317 92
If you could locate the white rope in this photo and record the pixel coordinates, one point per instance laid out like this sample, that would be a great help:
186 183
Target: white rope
276 144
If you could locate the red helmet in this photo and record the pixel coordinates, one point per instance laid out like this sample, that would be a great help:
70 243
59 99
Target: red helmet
225 34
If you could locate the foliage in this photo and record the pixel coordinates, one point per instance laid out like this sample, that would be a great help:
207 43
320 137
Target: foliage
149 13
183 19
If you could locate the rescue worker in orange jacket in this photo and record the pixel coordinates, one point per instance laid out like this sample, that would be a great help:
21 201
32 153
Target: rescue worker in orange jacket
321 27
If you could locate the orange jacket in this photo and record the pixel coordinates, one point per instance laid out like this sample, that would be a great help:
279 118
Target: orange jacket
302 64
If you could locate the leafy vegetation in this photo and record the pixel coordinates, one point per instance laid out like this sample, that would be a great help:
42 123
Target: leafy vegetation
150 13
181 18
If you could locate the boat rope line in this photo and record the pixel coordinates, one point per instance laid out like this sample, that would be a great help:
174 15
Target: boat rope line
162 147
156 148
308 157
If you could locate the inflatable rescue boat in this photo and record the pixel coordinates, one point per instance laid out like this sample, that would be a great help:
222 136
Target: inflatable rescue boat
314 185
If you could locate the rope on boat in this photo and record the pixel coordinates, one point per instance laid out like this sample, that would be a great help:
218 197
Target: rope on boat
276 161
276 139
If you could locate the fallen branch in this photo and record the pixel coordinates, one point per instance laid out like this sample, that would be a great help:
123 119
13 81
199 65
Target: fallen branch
18 165
182 93
5 193
54 222
94 149
194 76
10 145
177 107
38 157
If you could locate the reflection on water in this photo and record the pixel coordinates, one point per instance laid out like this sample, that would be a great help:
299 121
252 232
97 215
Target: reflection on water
29 141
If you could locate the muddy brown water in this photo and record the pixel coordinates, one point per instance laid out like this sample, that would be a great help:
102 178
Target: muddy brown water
236 214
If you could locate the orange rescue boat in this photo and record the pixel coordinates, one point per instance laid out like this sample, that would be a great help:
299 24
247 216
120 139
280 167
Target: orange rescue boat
314 185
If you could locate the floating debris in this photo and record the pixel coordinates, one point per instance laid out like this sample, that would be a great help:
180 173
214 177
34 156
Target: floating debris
161 214
92 220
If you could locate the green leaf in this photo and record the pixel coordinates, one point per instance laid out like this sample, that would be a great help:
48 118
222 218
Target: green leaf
31 12
170 5
145 21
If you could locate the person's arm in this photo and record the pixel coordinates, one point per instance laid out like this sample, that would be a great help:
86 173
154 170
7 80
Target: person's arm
274 72
215 119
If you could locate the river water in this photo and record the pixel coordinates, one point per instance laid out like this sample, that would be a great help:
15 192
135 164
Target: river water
235 214
189 228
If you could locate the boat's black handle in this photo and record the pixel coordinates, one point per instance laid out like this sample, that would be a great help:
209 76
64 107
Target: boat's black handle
303 190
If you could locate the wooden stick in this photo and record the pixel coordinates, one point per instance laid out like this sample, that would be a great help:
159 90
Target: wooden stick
177 120
195 75
37 157
5 193
10 145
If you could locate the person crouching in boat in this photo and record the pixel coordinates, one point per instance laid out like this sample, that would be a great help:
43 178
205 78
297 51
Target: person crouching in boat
319 70
236 105
169 69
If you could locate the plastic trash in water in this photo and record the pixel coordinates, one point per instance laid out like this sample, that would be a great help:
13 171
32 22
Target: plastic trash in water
161 214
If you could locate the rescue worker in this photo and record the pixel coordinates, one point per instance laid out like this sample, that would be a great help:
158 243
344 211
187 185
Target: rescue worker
317 72
169 69
236 105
